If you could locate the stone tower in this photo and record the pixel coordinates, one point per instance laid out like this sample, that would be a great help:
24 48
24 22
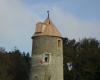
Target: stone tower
47 52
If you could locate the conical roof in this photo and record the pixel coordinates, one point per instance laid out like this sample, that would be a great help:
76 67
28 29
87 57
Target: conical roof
46 28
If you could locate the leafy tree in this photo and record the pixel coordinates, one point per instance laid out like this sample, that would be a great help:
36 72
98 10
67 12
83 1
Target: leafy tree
14 65
85 57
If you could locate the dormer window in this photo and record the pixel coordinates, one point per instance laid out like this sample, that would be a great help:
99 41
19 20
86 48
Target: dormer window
43 27
38 28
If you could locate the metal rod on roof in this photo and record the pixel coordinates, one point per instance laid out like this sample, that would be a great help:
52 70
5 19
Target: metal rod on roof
48 16
48 13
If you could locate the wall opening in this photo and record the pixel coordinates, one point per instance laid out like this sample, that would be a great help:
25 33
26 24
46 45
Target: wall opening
47 58
59 43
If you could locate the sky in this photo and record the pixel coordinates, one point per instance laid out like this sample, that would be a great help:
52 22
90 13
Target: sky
74 19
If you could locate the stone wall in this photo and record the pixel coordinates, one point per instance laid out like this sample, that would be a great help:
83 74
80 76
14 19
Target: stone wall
53 69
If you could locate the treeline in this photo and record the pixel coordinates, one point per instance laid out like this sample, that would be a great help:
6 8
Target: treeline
81 61
14 65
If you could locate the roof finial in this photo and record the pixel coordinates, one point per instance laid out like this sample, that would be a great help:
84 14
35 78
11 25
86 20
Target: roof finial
48 15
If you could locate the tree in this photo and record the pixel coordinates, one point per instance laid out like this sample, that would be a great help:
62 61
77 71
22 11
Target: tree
14 66
85 57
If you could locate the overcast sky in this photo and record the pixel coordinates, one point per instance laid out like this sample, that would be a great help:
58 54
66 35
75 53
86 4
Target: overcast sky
74 18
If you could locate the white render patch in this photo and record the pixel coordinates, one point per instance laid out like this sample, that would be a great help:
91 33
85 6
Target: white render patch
69 65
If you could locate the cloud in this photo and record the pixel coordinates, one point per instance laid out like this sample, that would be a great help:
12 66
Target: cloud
17 23
74 27
69 24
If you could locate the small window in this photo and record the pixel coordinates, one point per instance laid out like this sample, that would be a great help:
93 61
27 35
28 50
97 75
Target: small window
59 43
46 58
